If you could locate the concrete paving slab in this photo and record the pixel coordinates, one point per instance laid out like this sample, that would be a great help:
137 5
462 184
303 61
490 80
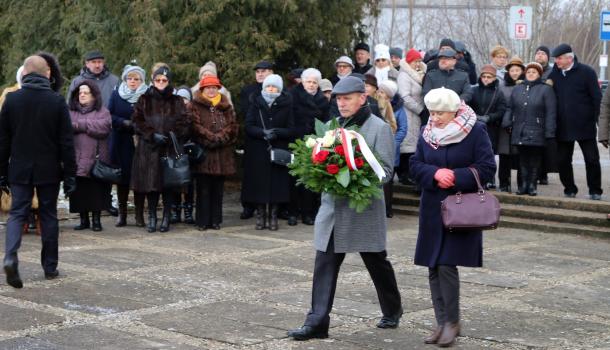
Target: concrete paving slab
21 318
118 259
537 265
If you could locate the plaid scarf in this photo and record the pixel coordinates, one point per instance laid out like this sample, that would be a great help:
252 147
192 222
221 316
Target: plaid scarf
454 132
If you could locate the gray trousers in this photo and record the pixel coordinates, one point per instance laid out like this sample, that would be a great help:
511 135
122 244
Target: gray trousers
445 289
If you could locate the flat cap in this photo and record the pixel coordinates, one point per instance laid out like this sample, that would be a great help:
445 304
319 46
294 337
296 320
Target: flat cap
447 53
562 49
263 65
91 55
362 46
348 85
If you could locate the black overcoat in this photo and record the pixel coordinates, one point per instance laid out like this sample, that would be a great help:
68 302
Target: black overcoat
265 182
489 100
307 108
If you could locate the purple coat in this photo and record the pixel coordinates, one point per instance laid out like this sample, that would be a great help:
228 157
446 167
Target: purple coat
435 245
89 129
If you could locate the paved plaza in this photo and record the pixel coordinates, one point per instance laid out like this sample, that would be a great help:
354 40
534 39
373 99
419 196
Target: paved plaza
239 288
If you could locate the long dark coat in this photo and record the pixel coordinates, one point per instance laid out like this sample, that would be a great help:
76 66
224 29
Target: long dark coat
435 244
122 146
455 79
578 102
216 128
531 114
308 108
155 113
265 182
489 100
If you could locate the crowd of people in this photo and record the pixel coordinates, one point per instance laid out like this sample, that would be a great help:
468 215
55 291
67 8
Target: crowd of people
429 116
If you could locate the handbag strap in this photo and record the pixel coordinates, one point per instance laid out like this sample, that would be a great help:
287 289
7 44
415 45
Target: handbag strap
175 144
260 114
491 103
97 150
477 179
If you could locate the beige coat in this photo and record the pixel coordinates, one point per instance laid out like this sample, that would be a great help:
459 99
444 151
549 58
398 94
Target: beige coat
603 131
410 89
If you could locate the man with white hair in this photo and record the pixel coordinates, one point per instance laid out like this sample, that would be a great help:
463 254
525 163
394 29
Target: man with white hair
578 102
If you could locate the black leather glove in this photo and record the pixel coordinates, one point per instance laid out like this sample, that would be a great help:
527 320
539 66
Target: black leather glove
483 118
270 134
4 186
69 186
160 139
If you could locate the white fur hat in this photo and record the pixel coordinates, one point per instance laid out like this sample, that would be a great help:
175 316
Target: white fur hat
442 100
382 51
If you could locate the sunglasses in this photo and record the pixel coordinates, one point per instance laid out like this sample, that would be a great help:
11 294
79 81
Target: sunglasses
161 80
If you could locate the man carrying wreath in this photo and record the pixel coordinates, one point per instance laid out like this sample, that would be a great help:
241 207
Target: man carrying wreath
339 229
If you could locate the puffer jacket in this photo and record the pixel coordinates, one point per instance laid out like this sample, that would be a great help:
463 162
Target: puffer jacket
531 113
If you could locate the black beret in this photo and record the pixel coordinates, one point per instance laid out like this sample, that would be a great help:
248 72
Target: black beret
348 85
91 55
263 65
447 42
562 49
362 46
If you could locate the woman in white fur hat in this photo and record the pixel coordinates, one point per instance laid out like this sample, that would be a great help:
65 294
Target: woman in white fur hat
383 69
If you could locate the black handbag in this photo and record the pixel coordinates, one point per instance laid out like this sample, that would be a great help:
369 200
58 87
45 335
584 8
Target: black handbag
176 169
277 156
195 152
104 172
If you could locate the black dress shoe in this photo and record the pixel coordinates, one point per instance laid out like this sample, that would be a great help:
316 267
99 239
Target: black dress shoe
51 275
569 195
12 275
389 215
202 228
308 332
390 321
214 226
292 221
308 220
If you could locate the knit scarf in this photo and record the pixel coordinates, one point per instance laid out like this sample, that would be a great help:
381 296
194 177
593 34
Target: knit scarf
454 132
129 95
381 74
357 119
84 109
214 100
270 97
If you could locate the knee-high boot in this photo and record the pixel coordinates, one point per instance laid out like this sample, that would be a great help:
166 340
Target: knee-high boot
153 202
524 183
138 199
122 194
168 200
96 222
188 205
532 188
261 216
273 213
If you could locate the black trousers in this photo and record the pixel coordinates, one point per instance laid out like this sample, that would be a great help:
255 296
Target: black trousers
592 165
388 194
302 201
210 190
326 272
504 169
19 213
445 291
403 167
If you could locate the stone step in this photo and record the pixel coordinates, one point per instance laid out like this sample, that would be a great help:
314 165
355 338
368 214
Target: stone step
530 224
538 201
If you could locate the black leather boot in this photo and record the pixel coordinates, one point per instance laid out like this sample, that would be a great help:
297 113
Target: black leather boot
524 183
138 199
273 225
261 217
188 214
84 222
153 201
532 188
176 214
96 217
165 221
122 194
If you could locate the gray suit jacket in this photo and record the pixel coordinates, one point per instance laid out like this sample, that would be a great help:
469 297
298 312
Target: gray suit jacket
353 232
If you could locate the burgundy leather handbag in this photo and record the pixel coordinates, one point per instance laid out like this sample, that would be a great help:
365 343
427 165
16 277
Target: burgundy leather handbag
471 211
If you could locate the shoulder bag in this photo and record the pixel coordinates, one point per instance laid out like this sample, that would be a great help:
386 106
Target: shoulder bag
176 169
278 156
471 211
105 172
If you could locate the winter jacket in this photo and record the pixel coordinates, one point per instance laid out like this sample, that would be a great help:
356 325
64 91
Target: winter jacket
531 113
578 102
410 89
122 146
362 69
402 126
306 109
91 130
504 146
454 79
215 127
106 81
489 104
603 133
460 64
36 139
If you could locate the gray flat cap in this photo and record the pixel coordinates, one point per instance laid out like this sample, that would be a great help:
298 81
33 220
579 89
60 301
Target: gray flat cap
348 85
447 53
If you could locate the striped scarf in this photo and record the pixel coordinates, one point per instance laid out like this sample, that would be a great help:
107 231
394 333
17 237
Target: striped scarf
454 132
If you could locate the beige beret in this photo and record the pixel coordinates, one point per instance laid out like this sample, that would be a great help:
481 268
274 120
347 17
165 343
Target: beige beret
442 100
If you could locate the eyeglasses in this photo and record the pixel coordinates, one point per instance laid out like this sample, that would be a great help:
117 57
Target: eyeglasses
161 80
343 66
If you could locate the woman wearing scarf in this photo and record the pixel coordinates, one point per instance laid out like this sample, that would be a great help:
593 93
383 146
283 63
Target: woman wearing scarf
91 125
122 147
269 123
383 70
214 126
532 118
157 112
450 143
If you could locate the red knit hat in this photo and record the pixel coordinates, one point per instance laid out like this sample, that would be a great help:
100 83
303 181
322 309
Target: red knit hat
209 81
412 55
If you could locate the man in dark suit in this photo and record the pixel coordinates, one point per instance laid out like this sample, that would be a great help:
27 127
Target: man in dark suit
36 152
578 102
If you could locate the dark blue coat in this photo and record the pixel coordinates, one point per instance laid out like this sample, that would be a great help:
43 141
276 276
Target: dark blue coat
435 245
121 138
578 100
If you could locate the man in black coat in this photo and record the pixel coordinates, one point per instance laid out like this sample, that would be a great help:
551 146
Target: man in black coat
362 55
261 70
578 102
36 152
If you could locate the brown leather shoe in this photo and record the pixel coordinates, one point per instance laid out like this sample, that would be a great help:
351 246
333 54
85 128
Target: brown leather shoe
448 335
433 338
